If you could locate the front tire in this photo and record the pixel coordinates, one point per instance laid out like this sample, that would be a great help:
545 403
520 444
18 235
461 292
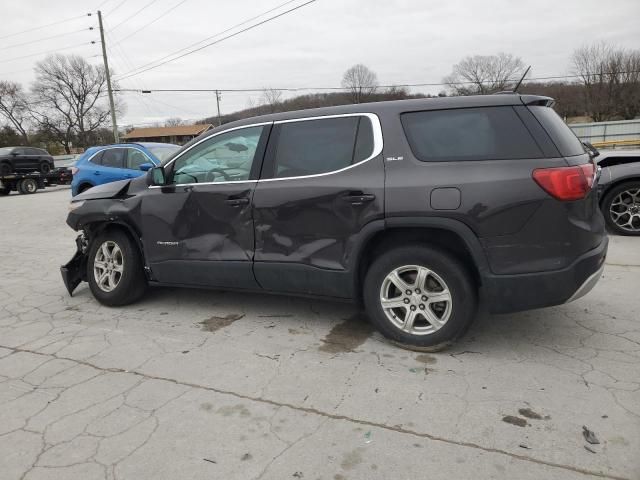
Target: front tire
621 209
45 167
420 297
114 269
5 169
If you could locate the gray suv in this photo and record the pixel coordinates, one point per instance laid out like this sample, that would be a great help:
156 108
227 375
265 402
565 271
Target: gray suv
416 208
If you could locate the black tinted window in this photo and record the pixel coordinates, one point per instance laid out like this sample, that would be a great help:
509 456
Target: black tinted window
112 157
489 133
364 140
315 146
564 138
33 151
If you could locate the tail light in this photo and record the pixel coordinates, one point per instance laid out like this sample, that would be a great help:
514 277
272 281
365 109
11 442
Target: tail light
566 183
74 170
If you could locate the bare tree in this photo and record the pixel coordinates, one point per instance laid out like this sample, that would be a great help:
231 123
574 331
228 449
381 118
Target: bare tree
69 97
360 82
611 80
13 106
173 122
481 74
271 98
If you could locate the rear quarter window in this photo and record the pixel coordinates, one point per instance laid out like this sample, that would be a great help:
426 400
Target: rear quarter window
487 133
565 140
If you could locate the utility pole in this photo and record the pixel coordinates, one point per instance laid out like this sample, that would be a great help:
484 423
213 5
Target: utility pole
116 136
218 103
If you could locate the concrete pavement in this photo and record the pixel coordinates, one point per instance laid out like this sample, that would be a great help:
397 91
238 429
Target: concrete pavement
200 384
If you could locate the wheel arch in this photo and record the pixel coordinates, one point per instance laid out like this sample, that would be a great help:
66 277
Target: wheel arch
98 226
616 183
448 234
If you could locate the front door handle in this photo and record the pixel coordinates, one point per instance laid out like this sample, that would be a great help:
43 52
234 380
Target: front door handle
358 198
96 173
236 202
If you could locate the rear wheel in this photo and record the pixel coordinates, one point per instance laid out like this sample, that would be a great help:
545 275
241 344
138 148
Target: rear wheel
114 269
45 167
5 190
84 188
419 297
5 169
27 186
621 208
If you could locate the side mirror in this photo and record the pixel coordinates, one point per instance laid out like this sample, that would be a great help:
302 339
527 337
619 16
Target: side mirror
146 166
156 176
14 154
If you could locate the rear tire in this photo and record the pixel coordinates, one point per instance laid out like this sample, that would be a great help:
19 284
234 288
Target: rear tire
6 190
114 269
45 167
436 304
27 186
622 205
84 187
5 169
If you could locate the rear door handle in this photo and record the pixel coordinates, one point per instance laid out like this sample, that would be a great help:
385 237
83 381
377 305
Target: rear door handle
359 198
236 202
96 173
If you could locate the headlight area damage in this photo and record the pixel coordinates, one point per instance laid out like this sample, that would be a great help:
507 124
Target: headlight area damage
90 213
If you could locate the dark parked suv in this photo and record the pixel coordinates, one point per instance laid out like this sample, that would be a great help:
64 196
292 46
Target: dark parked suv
418 208
24 159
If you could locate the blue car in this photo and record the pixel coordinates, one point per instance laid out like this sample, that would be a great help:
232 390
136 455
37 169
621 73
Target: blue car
109 163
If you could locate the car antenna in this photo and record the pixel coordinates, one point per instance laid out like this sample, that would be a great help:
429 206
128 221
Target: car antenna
515 89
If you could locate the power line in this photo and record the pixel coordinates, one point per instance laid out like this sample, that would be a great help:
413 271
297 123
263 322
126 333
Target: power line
45 38
45 26
397 85
47 52
150 23
220 40
212 36
134 14
116 7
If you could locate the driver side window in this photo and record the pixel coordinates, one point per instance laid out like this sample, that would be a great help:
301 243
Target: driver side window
222 158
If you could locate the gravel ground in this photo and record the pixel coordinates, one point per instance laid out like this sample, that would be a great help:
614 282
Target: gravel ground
199 384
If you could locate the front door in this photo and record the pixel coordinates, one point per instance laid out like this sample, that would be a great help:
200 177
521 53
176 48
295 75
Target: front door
322 187
198 230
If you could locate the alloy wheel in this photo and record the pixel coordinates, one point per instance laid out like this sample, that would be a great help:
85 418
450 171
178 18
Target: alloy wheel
416 300
625 210
108 266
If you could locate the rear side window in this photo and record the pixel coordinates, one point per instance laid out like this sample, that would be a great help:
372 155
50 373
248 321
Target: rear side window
566 141
113 157
311 147
488 133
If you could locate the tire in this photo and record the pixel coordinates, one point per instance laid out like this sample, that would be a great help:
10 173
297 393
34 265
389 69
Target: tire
4 191
27 186
622 205
440 271
125 286
45 167
5 169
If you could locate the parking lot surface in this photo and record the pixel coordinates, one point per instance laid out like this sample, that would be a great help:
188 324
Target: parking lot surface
200 384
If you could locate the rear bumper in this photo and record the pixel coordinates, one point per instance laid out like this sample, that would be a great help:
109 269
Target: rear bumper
514 293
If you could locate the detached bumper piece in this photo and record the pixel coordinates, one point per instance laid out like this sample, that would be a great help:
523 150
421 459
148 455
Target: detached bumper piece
75 271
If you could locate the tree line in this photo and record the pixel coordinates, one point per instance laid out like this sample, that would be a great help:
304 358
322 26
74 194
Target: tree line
605 85
65 107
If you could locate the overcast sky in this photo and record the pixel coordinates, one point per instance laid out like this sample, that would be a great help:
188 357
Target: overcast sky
403 41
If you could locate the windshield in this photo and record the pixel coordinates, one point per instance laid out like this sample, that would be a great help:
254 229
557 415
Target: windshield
5 150
163 153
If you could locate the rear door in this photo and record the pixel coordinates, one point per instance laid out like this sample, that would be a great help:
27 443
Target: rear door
322 185
107 166
198 230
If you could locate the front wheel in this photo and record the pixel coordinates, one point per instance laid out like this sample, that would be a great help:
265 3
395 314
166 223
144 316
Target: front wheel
621 209
114 269
45 167
420 297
